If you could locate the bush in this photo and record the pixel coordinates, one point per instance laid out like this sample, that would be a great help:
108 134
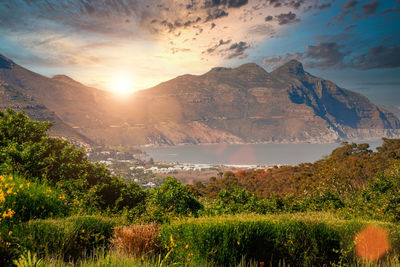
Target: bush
298 240
381 198
21 200
137 240
235 200
173 198
70 238
25 149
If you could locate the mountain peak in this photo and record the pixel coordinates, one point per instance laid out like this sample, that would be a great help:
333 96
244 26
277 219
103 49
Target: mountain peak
6 63
66 79
250 67
291 67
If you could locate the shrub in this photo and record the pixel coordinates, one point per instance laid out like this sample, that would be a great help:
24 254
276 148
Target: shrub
236 200
298 240
381 198
25 149
173 197
70 238
137 240
21 200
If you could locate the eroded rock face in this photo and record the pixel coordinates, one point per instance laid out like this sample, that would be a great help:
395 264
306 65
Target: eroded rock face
225 105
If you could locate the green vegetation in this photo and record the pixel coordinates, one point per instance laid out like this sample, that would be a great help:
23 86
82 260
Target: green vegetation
56 206
224 240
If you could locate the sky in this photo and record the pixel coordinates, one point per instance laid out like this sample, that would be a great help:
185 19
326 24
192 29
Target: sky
138 43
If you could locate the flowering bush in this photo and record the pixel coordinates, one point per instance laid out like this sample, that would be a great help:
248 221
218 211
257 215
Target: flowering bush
21 200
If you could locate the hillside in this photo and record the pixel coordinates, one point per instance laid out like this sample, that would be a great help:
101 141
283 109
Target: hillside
247 104
224 105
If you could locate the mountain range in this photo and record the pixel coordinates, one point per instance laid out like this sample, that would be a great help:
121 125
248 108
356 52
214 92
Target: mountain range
225 105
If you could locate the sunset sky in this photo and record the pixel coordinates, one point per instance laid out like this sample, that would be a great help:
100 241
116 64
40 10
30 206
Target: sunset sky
356 44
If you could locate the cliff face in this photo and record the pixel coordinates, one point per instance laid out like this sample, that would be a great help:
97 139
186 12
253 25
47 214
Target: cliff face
224 105
287 105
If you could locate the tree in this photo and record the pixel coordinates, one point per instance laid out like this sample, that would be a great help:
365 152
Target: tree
25 149
174 197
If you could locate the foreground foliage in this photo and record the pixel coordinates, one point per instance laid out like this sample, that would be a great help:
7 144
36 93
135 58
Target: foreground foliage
57 206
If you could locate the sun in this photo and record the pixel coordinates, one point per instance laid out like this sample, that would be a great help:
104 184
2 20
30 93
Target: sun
122 83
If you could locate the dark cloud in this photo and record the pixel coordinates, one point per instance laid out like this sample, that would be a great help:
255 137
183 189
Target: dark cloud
325 55
370 8
229 3
237 50
216 14
269 18
350 4
287 18
390 10
348 7
323 6
275 3
276 61
296 4
378 57
328 55
350 27
331 55
211 50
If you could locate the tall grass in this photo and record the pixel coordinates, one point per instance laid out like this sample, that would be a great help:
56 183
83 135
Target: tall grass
70 238
137 240
298 239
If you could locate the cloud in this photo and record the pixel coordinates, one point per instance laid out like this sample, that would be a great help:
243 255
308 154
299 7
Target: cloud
350 27
237 50
229 3
276 61
287 18
325 56
323 6
378 57
350 4
332 55
370 8
269 18
212 49
216 14
348 7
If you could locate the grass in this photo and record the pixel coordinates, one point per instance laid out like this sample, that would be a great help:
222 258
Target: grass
302 239
299 239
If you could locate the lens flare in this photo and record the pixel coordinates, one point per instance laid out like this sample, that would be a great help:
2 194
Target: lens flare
372 243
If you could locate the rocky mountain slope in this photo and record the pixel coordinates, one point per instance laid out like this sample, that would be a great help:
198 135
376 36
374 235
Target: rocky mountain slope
244 104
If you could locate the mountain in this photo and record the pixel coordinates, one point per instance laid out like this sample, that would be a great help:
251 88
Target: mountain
224 105
248 104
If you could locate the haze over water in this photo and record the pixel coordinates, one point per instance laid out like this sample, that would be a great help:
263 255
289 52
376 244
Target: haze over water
245 154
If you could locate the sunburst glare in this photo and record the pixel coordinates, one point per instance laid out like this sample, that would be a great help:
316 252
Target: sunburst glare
122 83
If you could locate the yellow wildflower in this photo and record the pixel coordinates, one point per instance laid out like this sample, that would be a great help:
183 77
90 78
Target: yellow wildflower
8 214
